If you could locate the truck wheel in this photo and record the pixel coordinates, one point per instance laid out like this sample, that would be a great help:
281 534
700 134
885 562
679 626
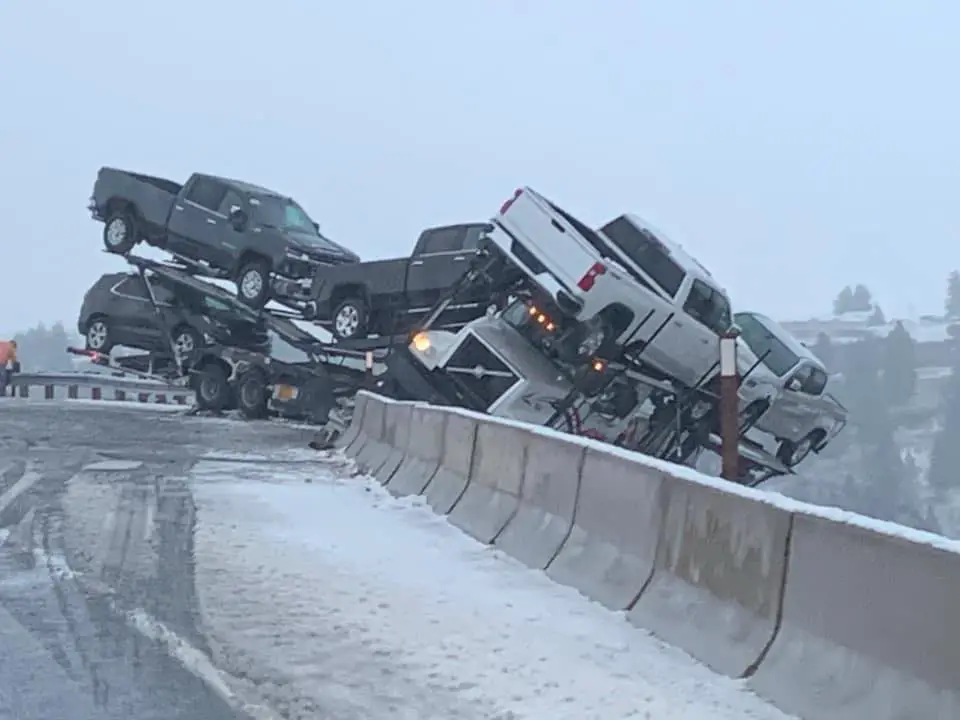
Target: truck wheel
98 337
212 388
792 454
120 232
350 319
253 284
252 395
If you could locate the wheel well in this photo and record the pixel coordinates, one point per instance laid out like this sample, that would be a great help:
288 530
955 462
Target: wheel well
351 290
619 316
179 327
92 319
209 360
116 205
249 256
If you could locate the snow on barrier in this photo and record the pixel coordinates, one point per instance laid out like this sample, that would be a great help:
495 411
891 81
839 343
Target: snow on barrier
548 498
424 449
450 481
827 614
870 627
396 436
492 496
718 577
64 386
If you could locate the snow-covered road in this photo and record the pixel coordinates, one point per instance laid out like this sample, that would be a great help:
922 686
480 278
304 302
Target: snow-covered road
330 598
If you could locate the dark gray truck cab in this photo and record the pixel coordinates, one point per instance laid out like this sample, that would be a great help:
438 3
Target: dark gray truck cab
386 297
260 239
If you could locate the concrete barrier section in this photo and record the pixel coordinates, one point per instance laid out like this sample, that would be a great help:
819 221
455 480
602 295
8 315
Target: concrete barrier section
374 451
450 480
718 578
423 452
492 496
610 552
353 433
869 629
548 499
396 437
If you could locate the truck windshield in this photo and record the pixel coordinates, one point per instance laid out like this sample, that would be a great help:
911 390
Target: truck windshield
780 358
282 213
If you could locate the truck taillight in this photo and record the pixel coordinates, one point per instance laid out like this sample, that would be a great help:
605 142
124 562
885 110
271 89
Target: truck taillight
506 206
587 281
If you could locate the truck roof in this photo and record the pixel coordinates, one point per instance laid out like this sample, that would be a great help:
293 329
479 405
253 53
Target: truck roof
245 187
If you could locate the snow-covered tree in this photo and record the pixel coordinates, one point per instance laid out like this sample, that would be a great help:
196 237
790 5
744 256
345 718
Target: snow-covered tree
952 304
899 365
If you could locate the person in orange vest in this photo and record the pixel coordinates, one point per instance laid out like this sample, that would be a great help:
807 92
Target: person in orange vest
8 362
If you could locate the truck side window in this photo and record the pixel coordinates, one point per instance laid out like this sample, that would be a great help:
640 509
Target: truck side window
646 251
207 193
230 200
708 307
132 287
442 240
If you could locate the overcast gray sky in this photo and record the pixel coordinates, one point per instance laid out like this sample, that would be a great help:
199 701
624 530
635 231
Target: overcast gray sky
792 147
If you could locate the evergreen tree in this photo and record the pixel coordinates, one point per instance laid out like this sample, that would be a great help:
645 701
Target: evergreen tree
843 302
877 318
862 300
864 392
899 365
952 304
945 459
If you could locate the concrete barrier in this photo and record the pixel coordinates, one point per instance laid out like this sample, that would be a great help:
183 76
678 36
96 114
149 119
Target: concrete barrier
372 454
450 481
610 552
492 496
352 433
718 578
548 499
423 452
396 436
869 628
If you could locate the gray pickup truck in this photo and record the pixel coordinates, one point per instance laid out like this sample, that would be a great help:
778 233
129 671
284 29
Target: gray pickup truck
260 239
386 297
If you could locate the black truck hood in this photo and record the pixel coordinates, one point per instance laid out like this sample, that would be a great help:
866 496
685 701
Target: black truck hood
318 245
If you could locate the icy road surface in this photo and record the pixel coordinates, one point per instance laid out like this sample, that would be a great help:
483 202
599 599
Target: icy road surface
333 599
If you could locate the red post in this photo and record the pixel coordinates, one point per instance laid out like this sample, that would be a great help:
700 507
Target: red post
95 394
161 399
48 392
72 392
729 407
119 395
143 397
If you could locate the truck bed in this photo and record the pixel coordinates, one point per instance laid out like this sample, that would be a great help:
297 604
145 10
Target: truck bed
152 197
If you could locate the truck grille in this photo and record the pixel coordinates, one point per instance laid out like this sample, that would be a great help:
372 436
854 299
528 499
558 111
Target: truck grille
480 372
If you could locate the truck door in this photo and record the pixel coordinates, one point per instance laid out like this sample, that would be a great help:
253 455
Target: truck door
196 223
230 240
438 261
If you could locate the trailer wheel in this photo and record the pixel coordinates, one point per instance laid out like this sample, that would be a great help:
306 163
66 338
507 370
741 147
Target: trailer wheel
120 232
253 283
319 401
212 388
252 395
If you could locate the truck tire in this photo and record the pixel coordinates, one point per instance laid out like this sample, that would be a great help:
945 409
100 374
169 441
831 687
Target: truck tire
120 232
212 388
350 319
98 336
792 454
253 283
252 397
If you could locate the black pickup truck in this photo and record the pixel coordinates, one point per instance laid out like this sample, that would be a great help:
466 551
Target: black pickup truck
260 239
387 297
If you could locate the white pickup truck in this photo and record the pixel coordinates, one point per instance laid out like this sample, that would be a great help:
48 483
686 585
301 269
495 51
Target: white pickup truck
618 285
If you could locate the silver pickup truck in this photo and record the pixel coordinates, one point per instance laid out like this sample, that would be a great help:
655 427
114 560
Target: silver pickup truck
618 284
785 392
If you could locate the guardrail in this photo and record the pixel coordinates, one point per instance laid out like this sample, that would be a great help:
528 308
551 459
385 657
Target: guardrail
825 613
75 386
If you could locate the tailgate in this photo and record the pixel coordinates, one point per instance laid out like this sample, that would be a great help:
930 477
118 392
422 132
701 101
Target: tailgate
548 234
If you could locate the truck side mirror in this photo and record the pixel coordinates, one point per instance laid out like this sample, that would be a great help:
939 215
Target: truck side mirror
238 219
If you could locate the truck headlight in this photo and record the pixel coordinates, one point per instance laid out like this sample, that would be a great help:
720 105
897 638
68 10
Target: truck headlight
421 342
